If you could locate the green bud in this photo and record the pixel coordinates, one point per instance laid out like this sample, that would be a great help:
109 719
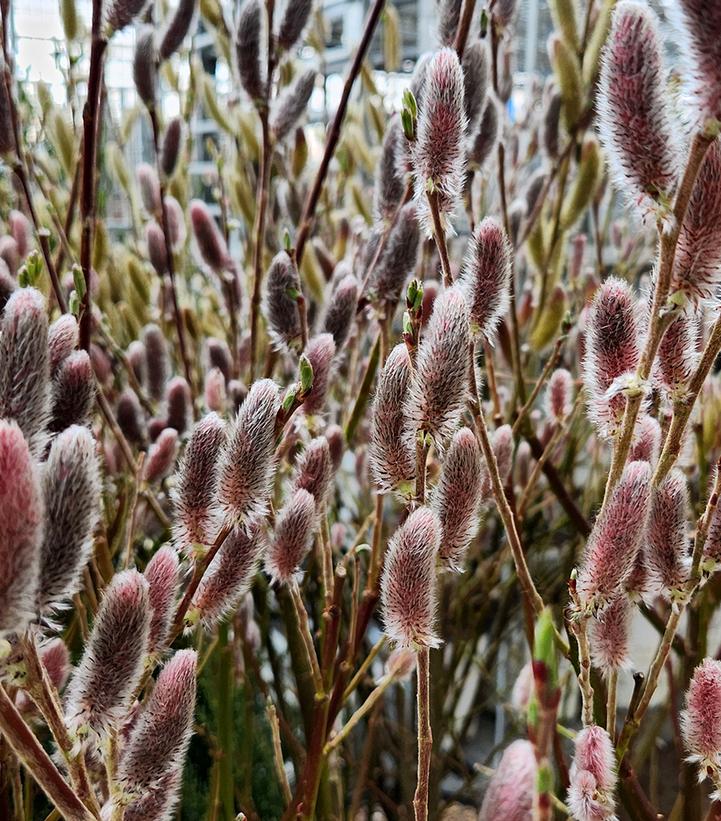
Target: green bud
407 324
79 280
306 374
289 397
287 241
544 779
544 645
74 304
409 102
408 124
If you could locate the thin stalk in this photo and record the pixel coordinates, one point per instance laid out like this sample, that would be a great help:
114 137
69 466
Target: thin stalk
425 735
334 132
304 628
584 663
278 752
439 235
611 707
375 694
38 763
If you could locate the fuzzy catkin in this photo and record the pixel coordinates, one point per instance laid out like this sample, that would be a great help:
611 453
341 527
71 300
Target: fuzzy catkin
457 496
157 361
247 459
197 515
73 392
228 577
177 28
24 366
71 490
63 336
292 537
247 49
162 574
593 776
475 79
485 278
666 550
294 20
100 690
437 392
159 739
608 636
389 182
320 352
701 720
21 529
408 582
172 146
510 792
633 118
615 540
340 313
211 243
438 155
314 470
145 67
398 258
280 306
178 404
291 104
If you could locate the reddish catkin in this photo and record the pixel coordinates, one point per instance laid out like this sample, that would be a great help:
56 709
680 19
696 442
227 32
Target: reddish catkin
486 276
294 20
159 803
399 257
21 230
701 721
25 366
71 490
162 574
177 29
282 287
73 392
161 456
609 636
149 187
615 540
593 776
292 537
247 49
176 224
172 146
389 182
121 12
247 460
438 153
196 518
612 352
160 737
138 360
647 440
219 356
666 550
475 79
510 792
503 450
130 417
103 684
712 545
145 72
228 578
390 452
157 361
21 529
701 23
178 404
457 496
449 12
437 393
155 240
214 393
633 119
483 143
314 470
408 583
697 263
320 352
211 244
677 356
341 310
559 395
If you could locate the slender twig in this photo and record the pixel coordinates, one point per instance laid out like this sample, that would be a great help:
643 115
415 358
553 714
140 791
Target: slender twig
612 688
334 132
91 127
439 235
425 735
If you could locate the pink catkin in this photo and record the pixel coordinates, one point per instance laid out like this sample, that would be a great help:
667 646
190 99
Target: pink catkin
486 277
210 241
73 392
701 721
160 737
247 462
647 441
282 285
615 540
178 404
149 187
559 395
161 456
390 452
340 314
677 356
593 776
457 496
21 230
214 393
63 337
437 391
511 789
320 352
314 471
503 450
408 583
194 495
292 537
111 667
438 155
666 549
162 574
21 529
697 263
612 352
609 636
633 118
228 578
